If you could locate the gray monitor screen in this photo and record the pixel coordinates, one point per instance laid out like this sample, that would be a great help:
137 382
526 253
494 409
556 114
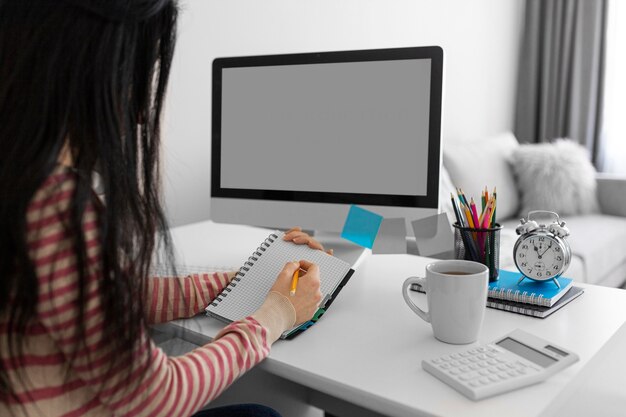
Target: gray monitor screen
347 127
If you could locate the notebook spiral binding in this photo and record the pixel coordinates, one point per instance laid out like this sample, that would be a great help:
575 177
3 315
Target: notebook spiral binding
246 267
518 296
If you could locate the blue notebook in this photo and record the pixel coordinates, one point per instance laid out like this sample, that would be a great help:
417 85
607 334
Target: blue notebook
544 293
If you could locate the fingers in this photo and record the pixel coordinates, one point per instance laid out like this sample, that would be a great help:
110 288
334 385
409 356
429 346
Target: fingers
300 238
309 267
294 229
289 269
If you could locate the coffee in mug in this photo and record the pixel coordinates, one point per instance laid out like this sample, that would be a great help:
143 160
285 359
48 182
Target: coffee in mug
456 292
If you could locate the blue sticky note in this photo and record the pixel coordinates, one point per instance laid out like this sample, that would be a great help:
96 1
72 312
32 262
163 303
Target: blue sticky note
361 226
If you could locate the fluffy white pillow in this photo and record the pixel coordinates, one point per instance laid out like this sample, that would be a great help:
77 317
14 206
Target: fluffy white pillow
555 176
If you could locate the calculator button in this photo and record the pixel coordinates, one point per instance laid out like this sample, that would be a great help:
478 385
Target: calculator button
502 367
445 366
484 381
437 361
464 354
473 351
474 359
492 361
455 356
501 360
483 364
483 372
491 354
482 356
455 363
474 366
464 361
494 378
464 368
513 373
481 349
446 357
493 370
467 377
474 384
503 376
454 371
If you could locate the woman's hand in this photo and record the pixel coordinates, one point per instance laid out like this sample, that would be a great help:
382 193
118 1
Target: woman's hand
297 236
308 295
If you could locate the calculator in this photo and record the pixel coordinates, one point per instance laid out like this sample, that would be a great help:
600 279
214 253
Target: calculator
513 361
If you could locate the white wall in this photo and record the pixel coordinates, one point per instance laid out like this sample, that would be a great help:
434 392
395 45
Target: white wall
480 39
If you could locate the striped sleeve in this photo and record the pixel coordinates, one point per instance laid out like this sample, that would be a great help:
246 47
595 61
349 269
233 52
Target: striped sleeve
157 385
173 298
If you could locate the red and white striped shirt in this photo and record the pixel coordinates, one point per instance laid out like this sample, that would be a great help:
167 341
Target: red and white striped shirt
163 386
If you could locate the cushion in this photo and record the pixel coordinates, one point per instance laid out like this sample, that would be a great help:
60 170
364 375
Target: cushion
555 176
599 240
475 164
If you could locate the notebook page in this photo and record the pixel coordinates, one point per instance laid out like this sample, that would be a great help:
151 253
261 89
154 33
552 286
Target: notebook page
244 297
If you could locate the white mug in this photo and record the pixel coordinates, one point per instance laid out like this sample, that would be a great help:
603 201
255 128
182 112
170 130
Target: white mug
456 291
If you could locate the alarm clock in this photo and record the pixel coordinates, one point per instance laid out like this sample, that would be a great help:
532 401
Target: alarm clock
541 252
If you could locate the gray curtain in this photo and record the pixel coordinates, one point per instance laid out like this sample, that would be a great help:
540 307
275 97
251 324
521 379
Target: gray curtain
561 69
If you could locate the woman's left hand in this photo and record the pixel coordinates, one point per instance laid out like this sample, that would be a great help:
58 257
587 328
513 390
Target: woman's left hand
297 236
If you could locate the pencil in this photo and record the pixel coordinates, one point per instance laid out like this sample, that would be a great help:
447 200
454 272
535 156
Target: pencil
484 198
462 197
487 215
492 220
495 200
468 215
294 282
474 213
457 213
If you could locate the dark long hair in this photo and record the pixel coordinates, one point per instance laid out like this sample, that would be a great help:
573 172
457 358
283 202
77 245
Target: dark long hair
90 74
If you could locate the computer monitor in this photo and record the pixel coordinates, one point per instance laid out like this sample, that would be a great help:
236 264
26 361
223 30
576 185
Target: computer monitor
298 138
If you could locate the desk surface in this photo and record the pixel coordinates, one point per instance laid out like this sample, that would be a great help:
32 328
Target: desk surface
368 349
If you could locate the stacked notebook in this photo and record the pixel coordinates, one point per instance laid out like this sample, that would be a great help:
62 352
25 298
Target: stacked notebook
248 289
531 298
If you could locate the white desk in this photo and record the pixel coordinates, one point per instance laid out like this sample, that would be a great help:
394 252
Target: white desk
367 349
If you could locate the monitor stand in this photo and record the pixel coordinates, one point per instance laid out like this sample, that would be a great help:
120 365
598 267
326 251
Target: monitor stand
342 249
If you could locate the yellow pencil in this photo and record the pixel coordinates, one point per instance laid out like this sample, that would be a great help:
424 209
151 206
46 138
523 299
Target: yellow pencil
493 211
294 282
468 215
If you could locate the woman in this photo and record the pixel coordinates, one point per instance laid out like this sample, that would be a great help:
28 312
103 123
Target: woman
81 90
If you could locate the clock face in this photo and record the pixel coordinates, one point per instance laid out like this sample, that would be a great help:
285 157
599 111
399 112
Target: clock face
540 257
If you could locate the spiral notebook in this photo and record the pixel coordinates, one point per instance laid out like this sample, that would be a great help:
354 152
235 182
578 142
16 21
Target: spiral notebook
248 289
544 293
535 310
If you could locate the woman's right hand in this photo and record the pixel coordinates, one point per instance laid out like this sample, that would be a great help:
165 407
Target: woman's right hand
307 298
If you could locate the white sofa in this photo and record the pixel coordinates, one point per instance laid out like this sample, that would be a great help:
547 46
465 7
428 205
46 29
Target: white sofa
598 240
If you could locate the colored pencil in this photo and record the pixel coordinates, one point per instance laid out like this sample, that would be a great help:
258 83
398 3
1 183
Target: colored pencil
492 220
457 213
474 212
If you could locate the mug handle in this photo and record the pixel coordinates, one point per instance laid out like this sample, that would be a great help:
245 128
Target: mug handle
425 315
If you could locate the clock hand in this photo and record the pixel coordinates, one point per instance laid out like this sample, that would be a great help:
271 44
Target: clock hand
547 249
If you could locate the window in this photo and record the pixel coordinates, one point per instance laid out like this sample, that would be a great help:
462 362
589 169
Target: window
612 148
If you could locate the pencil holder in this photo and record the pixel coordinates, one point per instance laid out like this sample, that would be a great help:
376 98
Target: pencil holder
479 245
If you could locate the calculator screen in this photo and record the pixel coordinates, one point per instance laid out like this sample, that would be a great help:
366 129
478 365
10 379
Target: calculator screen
526 352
